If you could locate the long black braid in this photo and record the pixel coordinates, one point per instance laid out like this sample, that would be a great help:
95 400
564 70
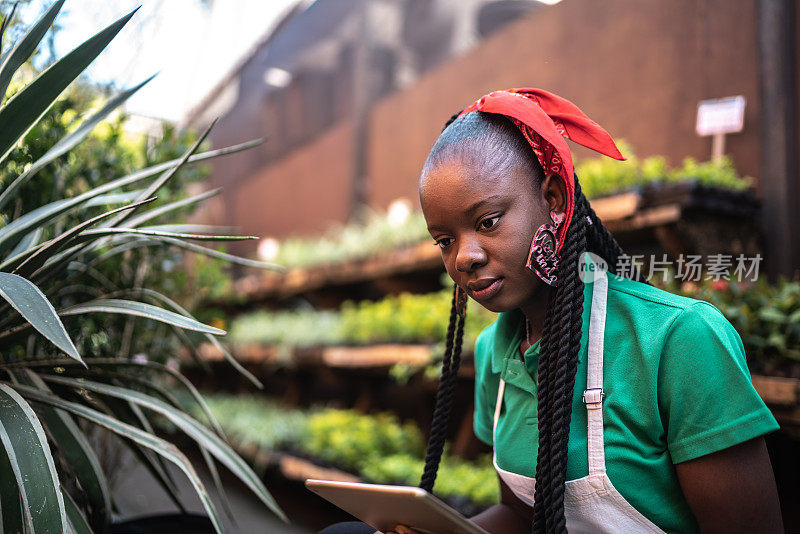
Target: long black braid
444 392
444 395
558 359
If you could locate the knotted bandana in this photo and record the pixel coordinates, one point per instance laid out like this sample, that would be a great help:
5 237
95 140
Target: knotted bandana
545 120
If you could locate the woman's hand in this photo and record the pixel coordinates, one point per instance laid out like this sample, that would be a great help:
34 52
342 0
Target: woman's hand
732 490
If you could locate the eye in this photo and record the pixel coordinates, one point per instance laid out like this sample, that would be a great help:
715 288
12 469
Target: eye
444 242
488 223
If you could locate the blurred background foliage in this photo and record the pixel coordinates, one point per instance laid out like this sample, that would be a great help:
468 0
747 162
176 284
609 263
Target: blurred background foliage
377 447
403 318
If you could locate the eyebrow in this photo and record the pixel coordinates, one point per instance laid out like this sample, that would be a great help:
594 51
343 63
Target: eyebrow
472 208
480 203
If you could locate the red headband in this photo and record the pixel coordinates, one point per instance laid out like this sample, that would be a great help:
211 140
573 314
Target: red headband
544 120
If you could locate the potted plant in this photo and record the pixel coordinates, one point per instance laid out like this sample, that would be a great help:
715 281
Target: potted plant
51 477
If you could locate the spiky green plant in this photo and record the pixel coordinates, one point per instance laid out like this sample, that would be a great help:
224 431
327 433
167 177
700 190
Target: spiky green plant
48 390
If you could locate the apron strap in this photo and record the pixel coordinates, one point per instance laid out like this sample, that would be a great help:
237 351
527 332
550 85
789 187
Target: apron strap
499 405
593 396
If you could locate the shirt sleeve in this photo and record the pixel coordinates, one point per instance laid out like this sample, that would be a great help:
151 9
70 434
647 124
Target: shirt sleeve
705 394
484 416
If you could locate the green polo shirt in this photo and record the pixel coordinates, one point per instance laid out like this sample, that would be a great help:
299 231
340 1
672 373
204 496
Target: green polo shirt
676 387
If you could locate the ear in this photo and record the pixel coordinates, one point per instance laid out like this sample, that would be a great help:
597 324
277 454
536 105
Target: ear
554 193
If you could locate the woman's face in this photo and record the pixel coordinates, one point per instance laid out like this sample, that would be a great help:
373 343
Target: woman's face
483 220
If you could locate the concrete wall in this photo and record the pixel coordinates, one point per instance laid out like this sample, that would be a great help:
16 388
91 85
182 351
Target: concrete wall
636 67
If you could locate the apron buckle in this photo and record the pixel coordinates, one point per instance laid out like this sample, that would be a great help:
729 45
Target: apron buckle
593 398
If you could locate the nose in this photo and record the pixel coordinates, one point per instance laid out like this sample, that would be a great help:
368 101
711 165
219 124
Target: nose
470 256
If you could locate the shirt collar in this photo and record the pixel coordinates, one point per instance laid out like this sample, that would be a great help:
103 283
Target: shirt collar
508 336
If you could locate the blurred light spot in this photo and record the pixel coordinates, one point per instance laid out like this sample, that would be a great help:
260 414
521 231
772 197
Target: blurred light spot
268 248
277 77
399 210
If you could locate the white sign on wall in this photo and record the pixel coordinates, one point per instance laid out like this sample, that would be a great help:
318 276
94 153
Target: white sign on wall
720 116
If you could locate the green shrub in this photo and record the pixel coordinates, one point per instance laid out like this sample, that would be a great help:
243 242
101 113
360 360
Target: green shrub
377 233
350 439
767 317
603 176
56 236
404 318
378 447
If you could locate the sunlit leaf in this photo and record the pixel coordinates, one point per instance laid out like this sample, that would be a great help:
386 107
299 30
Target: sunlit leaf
26 107
13 232
140 219
67 142
44 251
26 46
153 188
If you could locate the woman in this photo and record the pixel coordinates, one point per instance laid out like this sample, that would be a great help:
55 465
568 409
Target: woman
632 408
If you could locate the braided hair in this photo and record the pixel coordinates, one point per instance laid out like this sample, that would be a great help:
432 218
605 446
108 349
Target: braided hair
561 335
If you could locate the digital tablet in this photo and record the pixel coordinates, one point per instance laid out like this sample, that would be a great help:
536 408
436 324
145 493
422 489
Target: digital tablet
385 507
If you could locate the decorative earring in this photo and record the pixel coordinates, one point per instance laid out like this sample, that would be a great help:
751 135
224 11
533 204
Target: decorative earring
543 256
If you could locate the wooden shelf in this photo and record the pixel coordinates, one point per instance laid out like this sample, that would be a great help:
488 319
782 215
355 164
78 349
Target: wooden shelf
657 209
295 468
782 395
383 355
778 391
275 286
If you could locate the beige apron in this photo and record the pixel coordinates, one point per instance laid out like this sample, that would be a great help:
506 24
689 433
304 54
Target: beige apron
591 503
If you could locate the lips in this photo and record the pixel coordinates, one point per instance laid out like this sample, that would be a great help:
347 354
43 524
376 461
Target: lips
484 288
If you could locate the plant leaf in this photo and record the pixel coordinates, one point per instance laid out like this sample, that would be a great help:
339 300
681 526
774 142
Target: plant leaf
24 441
75 448
25 108
140 309
76 522
137 220
201 229
13 231
155 186
69 141
49 248
10 506
30 302
223 495
30 240
183 311
230 258
162 447
103 232
202 435
26 46
3 26
114 198
113 362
